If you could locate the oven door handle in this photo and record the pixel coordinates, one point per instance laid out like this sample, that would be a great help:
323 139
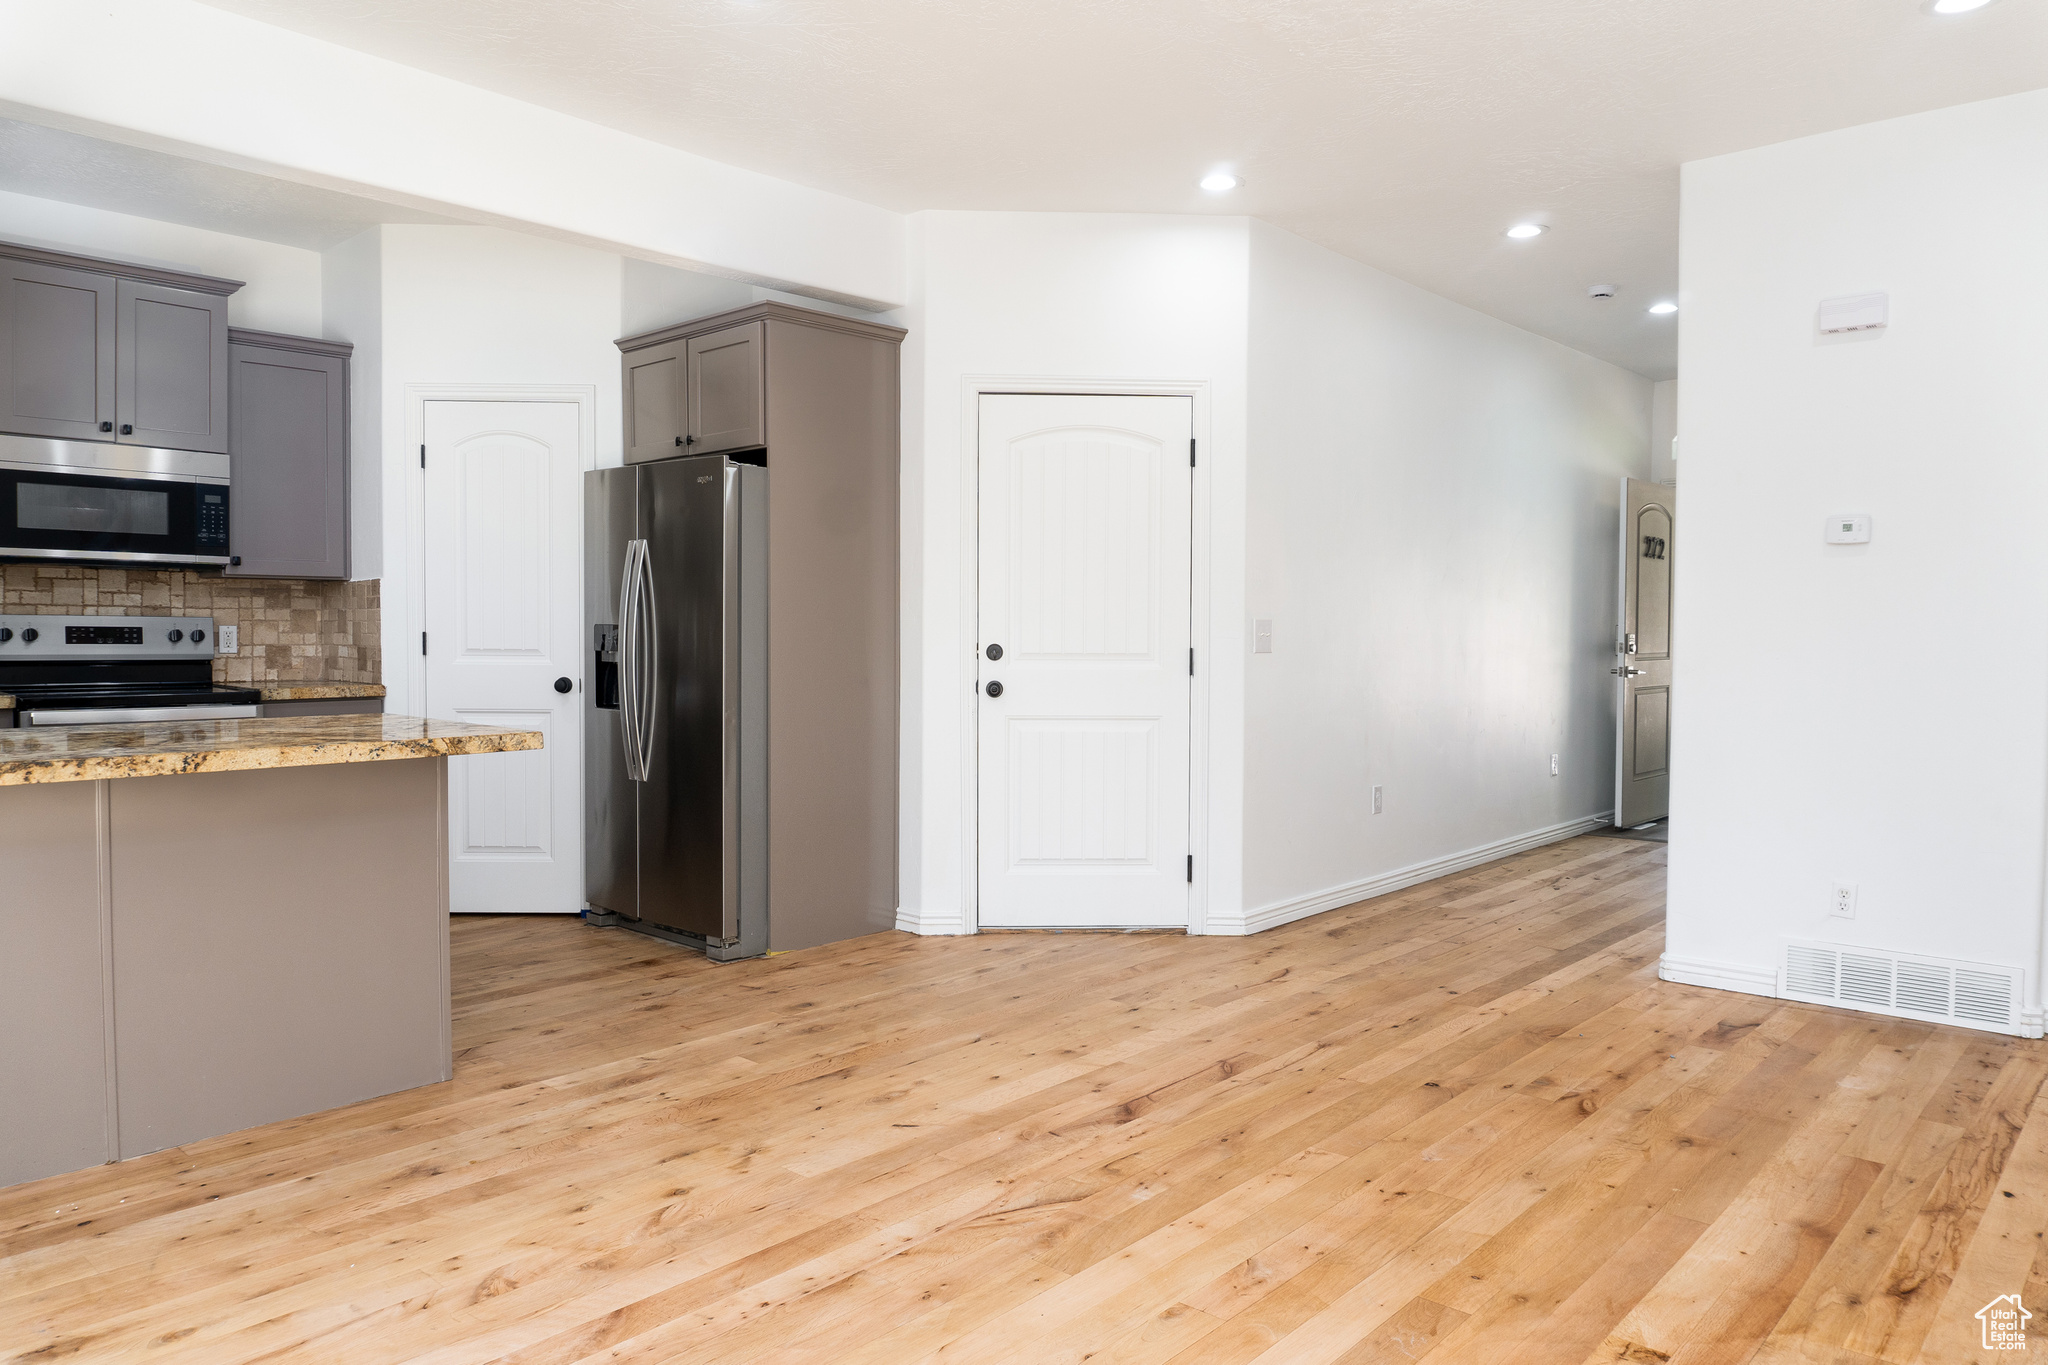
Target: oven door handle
132 715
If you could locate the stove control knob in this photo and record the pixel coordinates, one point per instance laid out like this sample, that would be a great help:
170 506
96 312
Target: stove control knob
28 636
197 636
5 635
177 635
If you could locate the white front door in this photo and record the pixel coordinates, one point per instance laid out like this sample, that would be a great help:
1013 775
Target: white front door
503 626
1084 660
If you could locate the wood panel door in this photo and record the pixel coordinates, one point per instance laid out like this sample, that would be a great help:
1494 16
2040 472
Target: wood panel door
727 411
1084 637
56 352
503 534
1649 545
171 367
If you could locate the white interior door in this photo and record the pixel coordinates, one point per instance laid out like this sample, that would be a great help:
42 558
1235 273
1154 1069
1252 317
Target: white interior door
1084 660
1642 748
503 594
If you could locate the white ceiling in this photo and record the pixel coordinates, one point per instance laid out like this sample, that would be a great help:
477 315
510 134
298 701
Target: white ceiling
1405 133
50 164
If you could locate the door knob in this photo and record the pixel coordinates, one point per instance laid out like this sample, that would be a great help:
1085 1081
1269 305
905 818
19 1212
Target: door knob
1626 672
564 685
995 651
995 689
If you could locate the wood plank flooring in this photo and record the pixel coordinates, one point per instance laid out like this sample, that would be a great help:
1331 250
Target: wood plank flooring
1461 1123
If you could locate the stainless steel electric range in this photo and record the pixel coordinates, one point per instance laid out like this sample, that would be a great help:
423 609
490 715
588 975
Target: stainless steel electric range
97 670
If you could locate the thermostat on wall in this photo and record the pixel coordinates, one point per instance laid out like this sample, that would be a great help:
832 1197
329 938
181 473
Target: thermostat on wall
1849 528
1854 312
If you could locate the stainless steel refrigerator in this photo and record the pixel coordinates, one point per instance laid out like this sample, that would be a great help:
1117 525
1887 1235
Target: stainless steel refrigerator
676 716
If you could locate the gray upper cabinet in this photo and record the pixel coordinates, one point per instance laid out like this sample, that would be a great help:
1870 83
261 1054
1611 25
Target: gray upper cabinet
171 368
94 350
655 402
726 390
288 439
57 352
695 394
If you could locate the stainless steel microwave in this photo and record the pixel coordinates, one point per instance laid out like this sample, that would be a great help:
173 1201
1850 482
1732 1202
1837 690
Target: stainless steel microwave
101 502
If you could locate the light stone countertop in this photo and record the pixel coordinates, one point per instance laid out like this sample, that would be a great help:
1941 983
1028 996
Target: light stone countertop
84 753
6 702
315 691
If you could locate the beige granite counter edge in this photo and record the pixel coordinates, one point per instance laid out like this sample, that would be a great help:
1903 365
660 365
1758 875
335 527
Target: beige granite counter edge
31 772
315 691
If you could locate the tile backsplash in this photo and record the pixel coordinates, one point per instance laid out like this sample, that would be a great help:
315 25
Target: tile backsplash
292 630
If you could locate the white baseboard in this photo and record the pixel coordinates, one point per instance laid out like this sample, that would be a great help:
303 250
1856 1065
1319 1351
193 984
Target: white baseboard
929 923
1277 913
1722 976
2033 1023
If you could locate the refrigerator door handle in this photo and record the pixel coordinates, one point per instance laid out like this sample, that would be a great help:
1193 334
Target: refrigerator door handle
644 634
629 660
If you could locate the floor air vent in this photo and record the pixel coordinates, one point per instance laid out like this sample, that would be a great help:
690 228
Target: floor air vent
1932 988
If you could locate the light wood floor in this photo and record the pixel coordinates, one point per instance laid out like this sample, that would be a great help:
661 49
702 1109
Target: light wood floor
1463 1123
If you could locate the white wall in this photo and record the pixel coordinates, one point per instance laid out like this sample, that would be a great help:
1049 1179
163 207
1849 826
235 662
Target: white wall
281 292
316 113
1432 519
1047 296
476 306
654 296
1663 430
1871 714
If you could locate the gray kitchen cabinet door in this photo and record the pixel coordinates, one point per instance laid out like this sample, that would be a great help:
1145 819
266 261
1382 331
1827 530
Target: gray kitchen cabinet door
56 352
171 367
655 402
289 453
726 408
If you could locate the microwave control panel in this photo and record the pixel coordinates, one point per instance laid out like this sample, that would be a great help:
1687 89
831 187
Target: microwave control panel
212 529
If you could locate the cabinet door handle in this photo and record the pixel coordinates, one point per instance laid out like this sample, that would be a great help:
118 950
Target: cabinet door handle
106 426
127 428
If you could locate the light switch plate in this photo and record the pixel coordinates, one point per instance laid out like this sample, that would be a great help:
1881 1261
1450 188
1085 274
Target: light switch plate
1262 636
1849 528
1855 312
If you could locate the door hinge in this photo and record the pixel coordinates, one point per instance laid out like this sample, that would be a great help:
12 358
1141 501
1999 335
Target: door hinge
423 455
1191 867
1191 452
1191 661
423 642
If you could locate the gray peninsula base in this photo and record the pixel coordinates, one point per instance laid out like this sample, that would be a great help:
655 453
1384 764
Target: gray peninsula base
186 956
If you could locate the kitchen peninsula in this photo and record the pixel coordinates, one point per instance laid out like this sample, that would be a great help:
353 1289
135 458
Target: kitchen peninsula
213 924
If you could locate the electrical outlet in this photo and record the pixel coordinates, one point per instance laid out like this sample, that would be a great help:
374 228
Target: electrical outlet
228 639
1262 635
1844 904
1553 765
1377 804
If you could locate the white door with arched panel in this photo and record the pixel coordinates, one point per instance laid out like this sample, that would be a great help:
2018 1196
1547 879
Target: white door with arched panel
1083 680
1642 748
503 567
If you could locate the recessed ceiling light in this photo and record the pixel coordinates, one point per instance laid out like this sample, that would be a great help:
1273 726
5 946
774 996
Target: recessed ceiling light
1958 6
1663 307
1217 182
1522 232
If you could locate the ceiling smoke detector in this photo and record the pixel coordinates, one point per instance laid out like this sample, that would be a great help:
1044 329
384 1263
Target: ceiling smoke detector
1600 291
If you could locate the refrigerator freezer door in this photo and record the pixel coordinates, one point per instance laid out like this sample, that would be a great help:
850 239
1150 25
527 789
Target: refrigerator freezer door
683 836
611 871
